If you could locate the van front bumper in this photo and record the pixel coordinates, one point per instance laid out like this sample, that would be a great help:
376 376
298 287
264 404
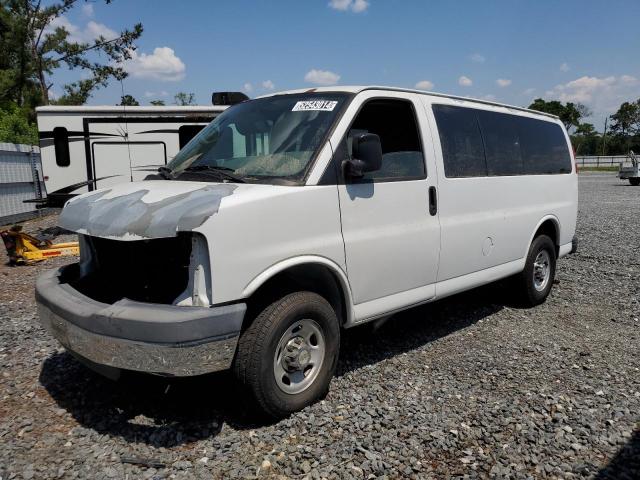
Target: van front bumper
153 338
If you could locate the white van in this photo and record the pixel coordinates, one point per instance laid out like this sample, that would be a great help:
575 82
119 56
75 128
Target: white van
298 214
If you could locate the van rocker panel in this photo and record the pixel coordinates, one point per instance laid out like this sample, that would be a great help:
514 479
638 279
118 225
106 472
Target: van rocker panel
162 339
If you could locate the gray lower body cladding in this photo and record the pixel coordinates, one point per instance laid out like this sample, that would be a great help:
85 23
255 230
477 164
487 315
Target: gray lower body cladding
154 338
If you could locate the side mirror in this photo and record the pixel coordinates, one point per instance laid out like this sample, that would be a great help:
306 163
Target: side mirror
367 156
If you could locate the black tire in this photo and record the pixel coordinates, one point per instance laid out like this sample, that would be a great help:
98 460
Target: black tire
255 358
528 294
634 181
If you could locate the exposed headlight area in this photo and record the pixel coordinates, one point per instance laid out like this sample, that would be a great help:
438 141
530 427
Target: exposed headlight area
171 271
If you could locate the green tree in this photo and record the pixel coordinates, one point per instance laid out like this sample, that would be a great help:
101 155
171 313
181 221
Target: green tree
129 101
182 98
157 103
585 139
31 50
570 113
15 127
626 121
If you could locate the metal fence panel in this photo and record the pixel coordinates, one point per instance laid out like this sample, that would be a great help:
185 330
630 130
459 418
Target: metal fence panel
20 179
602 160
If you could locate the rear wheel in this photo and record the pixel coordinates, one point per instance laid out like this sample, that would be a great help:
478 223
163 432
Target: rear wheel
287 356
536 280
634 181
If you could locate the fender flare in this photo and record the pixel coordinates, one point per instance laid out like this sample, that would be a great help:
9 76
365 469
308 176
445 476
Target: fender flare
283 265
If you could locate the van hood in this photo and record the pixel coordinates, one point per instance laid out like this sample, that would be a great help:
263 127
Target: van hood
142 210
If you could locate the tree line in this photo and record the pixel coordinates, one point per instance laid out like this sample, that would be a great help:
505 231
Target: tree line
621 132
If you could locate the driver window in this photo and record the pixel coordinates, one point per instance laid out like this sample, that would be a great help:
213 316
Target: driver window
394 121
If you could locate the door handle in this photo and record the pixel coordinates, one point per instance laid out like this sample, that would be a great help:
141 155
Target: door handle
433 201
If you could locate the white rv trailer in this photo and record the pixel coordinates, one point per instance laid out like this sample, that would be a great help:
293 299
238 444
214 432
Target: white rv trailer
89 147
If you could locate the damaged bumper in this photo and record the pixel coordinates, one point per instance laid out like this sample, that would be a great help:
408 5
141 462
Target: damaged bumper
154 338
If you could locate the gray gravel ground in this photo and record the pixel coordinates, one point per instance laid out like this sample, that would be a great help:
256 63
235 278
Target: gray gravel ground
463 388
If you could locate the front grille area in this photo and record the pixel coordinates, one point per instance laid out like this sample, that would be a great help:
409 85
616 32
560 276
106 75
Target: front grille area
153 271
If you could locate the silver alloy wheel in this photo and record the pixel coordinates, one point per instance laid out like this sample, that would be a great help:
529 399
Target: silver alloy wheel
541 270
299 356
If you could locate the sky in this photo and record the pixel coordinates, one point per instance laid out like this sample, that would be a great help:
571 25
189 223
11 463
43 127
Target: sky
510 51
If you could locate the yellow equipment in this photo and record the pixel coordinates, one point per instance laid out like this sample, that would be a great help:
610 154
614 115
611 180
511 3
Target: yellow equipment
23 248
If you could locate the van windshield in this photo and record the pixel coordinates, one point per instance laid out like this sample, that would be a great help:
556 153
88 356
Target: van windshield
267 140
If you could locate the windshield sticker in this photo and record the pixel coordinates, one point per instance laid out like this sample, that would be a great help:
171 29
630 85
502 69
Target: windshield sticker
315 105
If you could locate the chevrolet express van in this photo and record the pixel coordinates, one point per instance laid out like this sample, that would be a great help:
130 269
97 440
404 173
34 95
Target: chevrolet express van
295 215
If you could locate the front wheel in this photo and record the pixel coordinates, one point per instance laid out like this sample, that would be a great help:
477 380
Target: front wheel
287 356
634 181
536 280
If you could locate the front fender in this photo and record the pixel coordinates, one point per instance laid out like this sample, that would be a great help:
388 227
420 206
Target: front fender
279 267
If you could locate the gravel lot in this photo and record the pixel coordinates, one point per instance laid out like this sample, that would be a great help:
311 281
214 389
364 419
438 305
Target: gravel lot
466 387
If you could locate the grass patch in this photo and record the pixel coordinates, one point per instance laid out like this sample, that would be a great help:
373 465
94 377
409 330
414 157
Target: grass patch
597 169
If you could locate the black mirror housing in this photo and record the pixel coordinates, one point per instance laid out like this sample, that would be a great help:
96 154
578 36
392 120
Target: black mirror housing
367 155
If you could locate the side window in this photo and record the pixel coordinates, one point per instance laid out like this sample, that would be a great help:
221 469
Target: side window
61 146
187 132
462 147
394 121
501 143
543 146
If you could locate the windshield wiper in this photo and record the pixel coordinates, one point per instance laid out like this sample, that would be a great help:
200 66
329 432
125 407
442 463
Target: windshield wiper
166 173
224 172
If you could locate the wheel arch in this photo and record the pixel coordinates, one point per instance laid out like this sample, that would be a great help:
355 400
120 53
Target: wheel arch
314 273
550 226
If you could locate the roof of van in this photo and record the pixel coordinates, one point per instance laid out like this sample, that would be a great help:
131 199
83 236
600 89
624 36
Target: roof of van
360 88
119 109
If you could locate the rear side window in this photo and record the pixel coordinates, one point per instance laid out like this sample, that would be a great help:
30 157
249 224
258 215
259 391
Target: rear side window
543 146
510 144
394 121
187 132
61 146
462 148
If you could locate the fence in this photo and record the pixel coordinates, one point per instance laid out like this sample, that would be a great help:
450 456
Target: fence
20 179
602 161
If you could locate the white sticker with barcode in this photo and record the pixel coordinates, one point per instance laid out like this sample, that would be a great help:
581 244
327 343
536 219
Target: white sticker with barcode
314 105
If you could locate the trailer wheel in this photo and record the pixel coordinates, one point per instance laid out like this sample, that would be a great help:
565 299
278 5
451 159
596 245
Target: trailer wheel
287 356
634 181
535 281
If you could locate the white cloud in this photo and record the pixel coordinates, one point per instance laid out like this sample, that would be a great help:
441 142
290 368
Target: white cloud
490 97
321 77
161 93
465 81
268 85
247 87
87 10
94 30
356 6
424 85
360 6
503 82
162 65
602 94
477 58
529 91
76 34
564 67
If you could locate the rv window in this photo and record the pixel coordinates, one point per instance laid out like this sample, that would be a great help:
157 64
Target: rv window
61 146
501 142
462 148
187 132
394 121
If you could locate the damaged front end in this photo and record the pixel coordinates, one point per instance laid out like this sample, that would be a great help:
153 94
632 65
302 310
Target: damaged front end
170 271
140 296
